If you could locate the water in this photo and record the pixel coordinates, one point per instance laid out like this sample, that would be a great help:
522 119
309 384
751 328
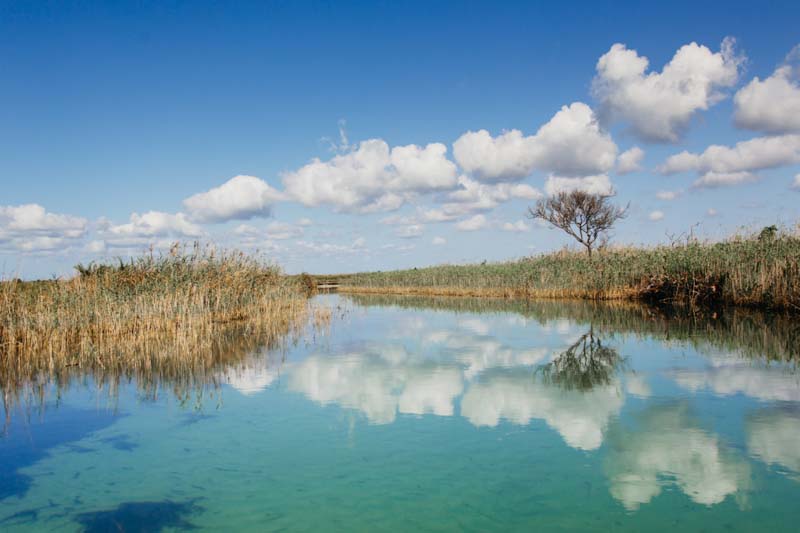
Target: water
435 414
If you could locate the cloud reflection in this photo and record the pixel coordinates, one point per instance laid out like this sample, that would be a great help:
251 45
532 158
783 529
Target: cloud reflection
767 383
773 436
669 447
580 417
379 383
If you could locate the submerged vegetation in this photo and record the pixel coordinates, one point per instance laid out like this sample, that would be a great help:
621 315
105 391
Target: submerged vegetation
172 318
759 271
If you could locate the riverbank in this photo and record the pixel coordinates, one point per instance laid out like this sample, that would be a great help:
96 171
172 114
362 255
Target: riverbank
760 271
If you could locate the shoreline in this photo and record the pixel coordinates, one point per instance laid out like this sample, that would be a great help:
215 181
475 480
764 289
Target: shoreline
624 295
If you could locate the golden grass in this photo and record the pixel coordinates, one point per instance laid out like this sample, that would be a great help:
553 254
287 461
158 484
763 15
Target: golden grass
158 318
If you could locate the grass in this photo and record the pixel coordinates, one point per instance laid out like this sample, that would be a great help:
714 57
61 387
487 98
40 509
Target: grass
163 318
756 271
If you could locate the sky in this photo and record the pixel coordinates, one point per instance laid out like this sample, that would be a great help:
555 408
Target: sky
350 136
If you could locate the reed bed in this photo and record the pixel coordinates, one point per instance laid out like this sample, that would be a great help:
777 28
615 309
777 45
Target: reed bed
170 318
756 271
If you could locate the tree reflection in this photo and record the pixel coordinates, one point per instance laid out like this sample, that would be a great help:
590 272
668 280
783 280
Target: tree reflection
584 365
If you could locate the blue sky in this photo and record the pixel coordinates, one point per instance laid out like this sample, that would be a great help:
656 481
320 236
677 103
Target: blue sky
114 115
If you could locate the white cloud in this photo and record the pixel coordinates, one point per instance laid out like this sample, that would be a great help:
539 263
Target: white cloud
95 247
724 179
519 226
600 184
410 232
796 183
630 160
34 219
472 224
275 230
725 165
371 177
283 230
333 249
30 228
660 105
668 448
668 196
304 222
656 215
148 228
571 143
475 196
239 198
439 241
772 105
711 212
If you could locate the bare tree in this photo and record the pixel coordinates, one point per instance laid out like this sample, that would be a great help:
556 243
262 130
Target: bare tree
585 216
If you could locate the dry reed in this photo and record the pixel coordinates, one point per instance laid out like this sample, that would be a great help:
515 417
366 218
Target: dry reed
160 318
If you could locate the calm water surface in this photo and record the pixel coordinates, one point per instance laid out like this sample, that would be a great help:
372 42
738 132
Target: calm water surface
434 414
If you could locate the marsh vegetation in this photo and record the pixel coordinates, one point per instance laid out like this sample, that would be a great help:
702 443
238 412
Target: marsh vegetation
169 318
759 271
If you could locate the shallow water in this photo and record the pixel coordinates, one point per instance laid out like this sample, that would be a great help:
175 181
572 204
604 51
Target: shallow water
435 414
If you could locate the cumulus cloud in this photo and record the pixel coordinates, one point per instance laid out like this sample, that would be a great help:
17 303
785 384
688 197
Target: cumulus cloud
239 198
519 226
153 227
796 182
724 165
31 228
724 179
472 196
659 106
472 224
333 249
439 241
772 105
668 196
95 247
275 230
410 232
630 160
600 184
372 177
656 215
669 448
571 143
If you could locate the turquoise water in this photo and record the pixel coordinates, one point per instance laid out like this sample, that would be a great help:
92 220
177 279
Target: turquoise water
412 414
